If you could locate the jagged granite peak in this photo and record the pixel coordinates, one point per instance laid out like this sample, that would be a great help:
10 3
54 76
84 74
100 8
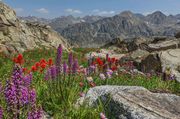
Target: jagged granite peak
17 35
92 18
126 14
62 22
98 33
156 18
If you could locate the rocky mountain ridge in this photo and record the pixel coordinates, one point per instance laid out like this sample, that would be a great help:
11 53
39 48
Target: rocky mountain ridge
18 35
95 31
124 25
62 22
103 31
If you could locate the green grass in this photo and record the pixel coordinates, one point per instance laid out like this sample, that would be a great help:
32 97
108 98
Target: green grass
56 107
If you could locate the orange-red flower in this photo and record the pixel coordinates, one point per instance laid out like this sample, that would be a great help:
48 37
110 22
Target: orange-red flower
50 62
37 64
113 68
42 61
43 65
19 59
33 68
24 70
113 60
99 61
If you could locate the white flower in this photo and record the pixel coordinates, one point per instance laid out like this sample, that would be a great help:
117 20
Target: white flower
108 75
102 76
89 79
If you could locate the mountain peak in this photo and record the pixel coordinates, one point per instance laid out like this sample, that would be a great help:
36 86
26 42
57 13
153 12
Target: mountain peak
126 14
159 13
156 18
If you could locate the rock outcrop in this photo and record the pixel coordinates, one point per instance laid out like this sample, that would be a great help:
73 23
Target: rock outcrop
18 35
132 102
151 55
165 45
171 59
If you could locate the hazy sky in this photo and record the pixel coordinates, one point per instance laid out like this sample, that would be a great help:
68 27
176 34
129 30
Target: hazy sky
55 8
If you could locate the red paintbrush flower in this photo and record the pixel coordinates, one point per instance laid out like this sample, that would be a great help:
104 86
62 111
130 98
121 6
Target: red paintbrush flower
113 68
42 61
113 60
19 59
109 59
50 62
37 64
33 68
99 61
43 65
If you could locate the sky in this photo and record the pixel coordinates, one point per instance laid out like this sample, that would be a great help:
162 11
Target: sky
56 8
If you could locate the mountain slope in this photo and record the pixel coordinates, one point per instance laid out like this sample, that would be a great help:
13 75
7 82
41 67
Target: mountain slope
62 22
103 31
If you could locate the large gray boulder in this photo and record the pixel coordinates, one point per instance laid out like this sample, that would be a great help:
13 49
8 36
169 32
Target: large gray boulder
132 102
171 59
145 61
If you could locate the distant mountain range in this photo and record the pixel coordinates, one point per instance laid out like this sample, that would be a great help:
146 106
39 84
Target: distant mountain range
95 31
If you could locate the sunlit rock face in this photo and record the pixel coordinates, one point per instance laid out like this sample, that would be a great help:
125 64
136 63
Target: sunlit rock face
18 35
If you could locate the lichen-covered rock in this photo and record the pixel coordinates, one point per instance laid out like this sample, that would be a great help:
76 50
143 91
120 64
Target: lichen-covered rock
171 59
165 45
19 35
132 102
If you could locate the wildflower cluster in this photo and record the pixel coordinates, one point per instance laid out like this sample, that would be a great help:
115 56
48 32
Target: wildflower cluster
18 94
64 81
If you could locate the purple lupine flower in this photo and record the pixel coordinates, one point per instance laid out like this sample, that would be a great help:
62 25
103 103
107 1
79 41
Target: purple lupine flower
27 80
70 59
59 58
53 72
75 66
35 113
14 91
1 112
92 69
32 96
47 74
109 71
17 77
64 67
24 95
10 94
59 55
